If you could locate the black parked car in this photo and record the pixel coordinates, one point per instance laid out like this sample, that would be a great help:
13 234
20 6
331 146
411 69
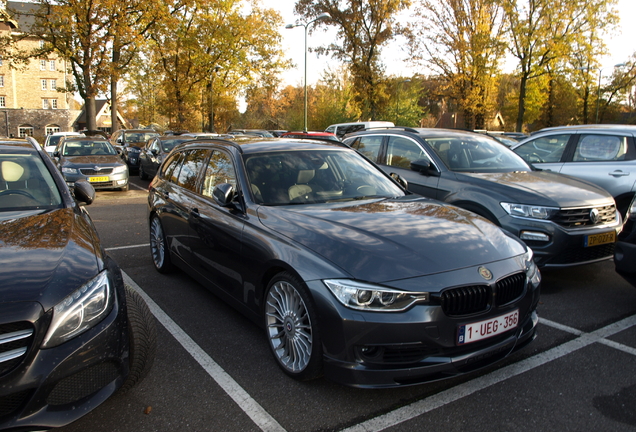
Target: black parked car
566 221
625 253
71 333
154 152
129 143
346 271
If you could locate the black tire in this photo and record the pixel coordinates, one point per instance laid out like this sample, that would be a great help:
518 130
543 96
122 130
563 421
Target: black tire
142 173
292 329
159 246
142 337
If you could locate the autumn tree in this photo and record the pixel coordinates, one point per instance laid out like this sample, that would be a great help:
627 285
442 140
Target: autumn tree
461 41
83 33
363 29
210 49
542 32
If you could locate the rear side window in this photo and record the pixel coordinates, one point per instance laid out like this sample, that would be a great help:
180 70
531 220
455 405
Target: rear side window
170 170
595 148
369 146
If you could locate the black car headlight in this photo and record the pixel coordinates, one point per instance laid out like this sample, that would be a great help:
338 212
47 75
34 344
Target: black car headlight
361 296
529 211
80 311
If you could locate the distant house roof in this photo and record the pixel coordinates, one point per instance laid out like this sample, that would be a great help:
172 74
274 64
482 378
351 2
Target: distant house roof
102 110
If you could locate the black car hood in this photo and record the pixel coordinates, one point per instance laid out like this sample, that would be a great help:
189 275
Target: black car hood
380 241
46 256
539 188
92 160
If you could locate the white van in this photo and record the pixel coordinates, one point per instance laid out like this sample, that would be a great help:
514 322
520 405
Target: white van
52 139
341 129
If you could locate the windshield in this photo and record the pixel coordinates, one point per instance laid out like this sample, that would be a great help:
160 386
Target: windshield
139 137
476 154
88 148
291 177
26 183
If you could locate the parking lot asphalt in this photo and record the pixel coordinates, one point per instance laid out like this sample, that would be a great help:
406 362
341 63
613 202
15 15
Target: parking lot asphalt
214 371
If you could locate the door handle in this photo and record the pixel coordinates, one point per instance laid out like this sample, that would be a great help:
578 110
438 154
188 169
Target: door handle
619 173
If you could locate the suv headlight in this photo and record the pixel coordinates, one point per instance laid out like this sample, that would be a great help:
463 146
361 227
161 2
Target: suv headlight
361 296
120 168
529 211
80 311
68 170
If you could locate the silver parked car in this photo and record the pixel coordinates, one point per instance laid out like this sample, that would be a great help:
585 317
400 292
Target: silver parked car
602 154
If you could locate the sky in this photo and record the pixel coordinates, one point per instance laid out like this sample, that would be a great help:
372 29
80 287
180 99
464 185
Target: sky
621 46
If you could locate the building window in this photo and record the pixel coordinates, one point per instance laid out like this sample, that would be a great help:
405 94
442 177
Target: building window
53 84
1 80
54 103
52 65
41 44
44 84
3 102
42 64
52 129
25 131
1 62
45 104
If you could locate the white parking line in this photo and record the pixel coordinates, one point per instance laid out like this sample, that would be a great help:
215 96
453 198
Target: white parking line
258 415
440 399
267 423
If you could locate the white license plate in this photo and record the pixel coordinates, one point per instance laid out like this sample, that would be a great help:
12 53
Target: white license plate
484 329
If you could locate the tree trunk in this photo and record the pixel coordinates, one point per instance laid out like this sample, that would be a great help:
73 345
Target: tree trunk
522 102
91 113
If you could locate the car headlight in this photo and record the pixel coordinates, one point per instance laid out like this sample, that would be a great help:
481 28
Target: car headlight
80 311
529 211
532 271
68 170
119 169
361 296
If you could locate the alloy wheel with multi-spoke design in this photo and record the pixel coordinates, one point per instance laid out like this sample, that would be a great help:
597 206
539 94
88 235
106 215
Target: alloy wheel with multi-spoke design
158 246
291 332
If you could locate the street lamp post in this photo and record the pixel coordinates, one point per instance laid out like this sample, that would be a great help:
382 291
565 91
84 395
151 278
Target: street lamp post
306 25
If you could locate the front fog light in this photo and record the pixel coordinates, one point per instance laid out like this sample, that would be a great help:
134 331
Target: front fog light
80 311
534 236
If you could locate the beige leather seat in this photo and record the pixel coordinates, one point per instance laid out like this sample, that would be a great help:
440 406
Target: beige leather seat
301 187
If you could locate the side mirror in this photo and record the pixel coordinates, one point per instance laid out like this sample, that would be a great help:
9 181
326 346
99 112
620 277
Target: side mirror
400 180
224 194
155 152
84 192
424 166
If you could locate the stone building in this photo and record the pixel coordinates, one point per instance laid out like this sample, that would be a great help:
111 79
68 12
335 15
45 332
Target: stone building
30 103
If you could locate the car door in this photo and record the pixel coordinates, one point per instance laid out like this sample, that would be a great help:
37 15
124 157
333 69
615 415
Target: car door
608 160
546 152
217 231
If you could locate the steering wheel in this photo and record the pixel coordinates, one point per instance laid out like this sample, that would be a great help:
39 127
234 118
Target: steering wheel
535 158
17 192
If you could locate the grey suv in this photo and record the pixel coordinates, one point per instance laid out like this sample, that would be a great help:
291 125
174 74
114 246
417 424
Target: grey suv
564 220
602 154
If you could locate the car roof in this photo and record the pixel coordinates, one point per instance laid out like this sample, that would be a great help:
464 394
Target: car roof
609 127
266 144
422 132
18 142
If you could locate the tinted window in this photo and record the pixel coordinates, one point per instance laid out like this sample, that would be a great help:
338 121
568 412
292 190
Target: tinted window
191 167
544 149
369 146
594 148
220 169
170 170
402 151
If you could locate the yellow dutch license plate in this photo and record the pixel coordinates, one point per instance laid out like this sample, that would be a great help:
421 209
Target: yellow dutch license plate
599 239
97 179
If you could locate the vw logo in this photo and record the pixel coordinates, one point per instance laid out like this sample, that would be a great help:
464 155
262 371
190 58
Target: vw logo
595 216
485 273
